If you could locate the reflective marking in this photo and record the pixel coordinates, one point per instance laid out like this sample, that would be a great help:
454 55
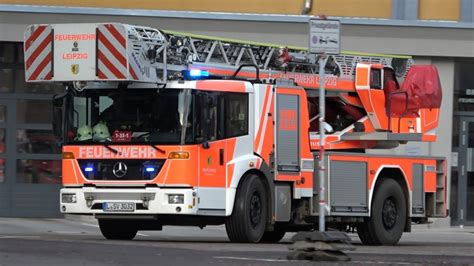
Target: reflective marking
257 259
67 232
18 237
92 225
382 262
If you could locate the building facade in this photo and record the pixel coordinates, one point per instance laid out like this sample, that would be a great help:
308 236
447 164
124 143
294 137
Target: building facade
432 31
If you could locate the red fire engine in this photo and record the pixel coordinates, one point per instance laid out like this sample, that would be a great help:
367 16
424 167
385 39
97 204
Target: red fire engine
162 128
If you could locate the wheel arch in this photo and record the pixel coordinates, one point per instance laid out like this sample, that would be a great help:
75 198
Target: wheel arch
395 173
269 189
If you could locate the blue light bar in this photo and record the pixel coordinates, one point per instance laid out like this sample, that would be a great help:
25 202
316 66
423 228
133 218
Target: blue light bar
89 169
198 73
150 169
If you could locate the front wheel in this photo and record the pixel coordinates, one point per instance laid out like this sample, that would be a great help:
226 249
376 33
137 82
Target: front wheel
273 236
389 215
117 229
249 217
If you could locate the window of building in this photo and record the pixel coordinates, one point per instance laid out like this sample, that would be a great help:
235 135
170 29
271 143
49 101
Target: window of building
34 111
464 87
7 52
36 141
22 86
3 114
6 80
38 171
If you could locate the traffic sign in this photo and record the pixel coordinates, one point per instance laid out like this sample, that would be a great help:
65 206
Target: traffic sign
324 36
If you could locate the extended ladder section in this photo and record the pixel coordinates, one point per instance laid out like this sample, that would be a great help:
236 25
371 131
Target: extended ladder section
368 106
120 52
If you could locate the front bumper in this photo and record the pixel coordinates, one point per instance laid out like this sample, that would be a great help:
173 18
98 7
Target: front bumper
89 200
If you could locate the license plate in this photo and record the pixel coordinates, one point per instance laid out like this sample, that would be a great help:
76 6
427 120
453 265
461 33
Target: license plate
118 206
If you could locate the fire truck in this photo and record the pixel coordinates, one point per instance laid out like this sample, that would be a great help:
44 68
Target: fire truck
164 128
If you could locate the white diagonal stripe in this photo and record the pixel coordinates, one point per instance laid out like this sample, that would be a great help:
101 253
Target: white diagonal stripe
108 54
44 72
106 71
38 60
265 120
113 60
45 34
260 97
110 37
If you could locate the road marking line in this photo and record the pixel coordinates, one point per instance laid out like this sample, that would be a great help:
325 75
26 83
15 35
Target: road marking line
13 237
383 262
282 260
66 232
256 259
92 225
140 234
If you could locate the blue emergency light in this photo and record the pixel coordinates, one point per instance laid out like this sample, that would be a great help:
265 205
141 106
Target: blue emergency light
195 73
198 73
150 169
89 169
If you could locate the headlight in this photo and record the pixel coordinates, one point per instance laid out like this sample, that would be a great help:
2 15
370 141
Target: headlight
175 198
68 198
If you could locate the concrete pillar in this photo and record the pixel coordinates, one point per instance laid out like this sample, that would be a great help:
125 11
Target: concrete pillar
467 10
405 9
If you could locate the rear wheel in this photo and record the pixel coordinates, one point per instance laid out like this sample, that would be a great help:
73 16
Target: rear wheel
249 217
389 215
117 229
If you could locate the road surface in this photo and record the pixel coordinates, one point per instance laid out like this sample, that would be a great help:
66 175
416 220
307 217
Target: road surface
79 242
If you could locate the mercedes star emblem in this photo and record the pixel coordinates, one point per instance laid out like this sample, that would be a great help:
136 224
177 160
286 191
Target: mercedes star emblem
120 169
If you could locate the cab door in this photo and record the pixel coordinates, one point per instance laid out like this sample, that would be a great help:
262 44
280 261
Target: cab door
226 129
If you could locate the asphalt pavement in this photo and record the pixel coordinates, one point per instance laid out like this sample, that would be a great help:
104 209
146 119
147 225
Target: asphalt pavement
79 242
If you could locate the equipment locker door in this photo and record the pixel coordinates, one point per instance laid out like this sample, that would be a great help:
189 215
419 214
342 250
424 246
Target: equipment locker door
287 132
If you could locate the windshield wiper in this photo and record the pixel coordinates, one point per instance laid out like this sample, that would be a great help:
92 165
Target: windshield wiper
157 148
114 151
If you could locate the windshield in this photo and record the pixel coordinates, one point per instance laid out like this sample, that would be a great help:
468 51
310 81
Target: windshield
154 117
133 115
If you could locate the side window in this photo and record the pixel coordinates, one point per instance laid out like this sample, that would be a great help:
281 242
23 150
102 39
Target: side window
220 115
376 78
79 113
235 114
206 107
213 133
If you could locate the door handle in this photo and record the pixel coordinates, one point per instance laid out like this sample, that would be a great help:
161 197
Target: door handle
221 156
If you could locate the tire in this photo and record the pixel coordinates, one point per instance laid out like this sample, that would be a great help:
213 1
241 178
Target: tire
117 230
389 215
249 217
274 236
364 234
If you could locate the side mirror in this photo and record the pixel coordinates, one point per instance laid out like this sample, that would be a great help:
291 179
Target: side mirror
58 115
57 122
206 103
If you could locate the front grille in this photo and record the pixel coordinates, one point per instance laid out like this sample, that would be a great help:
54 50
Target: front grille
124 169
